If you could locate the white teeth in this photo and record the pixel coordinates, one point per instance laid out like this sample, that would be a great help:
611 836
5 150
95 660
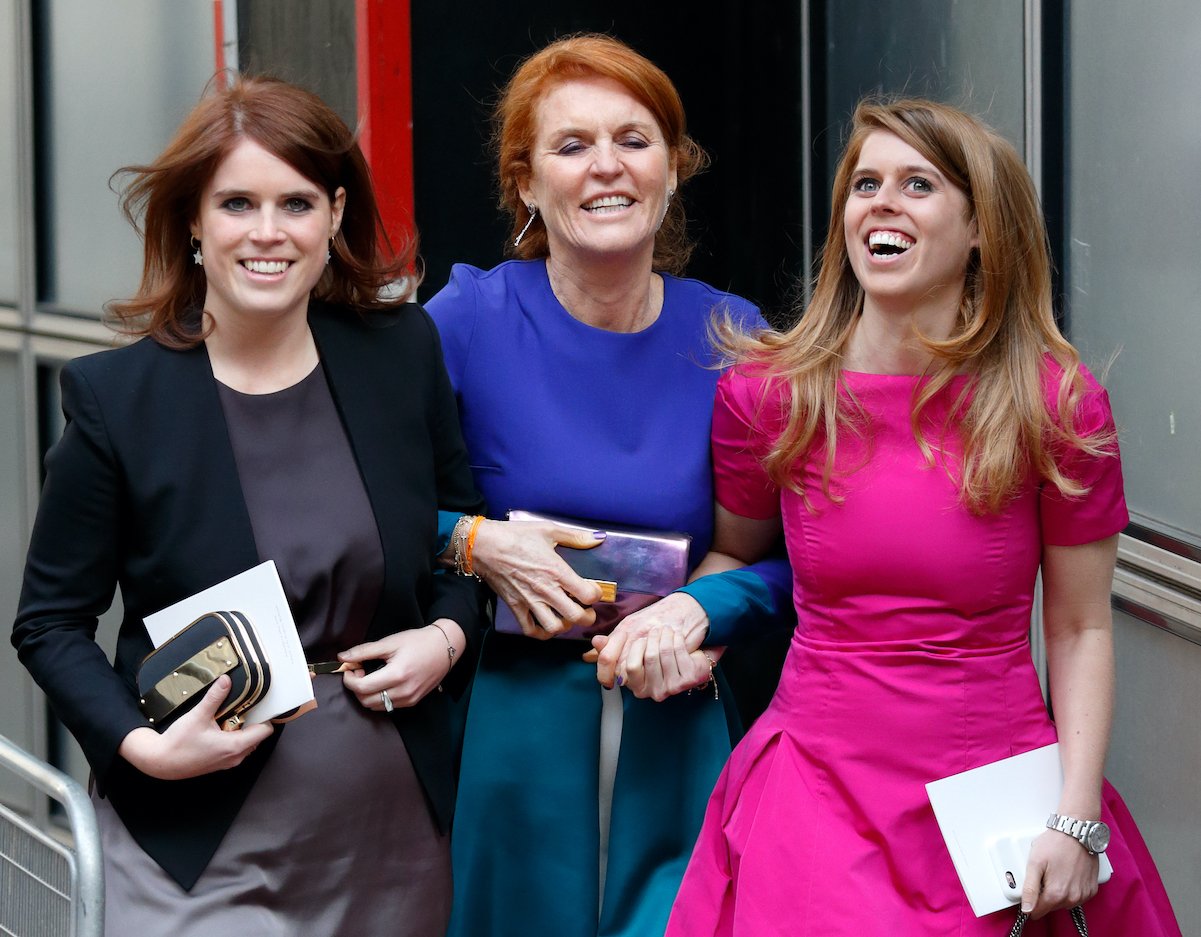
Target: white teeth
609 201
265 266
889 238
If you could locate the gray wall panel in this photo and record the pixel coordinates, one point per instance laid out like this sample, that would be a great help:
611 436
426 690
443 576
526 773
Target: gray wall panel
15 696
9 63
1134 158
118 77
1155 756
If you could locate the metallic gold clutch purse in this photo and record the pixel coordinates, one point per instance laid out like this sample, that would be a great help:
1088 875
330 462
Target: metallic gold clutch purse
175 675
634 567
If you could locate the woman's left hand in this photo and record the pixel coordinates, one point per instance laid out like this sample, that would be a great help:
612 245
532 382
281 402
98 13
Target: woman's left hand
658 665
678 612
415 661
1060 874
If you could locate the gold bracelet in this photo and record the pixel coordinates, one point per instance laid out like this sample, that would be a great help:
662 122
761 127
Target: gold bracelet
450 650
712 681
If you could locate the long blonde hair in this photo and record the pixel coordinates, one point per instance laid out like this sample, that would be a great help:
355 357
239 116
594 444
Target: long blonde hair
1005 325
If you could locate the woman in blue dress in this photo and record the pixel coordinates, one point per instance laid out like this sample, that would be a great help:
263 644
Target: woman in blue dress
585 386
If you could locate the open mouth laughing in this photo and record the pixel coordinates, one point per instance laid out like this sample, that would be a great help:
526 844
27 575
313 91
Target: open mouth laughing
888 243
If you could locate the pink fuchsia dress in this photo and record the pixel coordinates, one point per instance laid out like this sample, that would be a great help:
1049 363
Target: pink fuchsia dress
911 662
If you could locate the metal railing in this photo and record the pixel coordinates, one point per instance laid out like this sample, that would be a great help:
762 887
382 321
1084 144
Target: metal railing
48 888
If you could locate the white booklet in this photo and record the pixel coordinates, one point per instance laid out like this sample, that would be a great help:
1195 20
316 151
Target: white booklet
259 595
990 815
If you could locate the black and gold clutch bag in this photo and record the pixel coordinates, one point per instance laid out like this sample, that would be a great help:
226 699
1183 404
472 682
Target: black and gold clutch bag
176 674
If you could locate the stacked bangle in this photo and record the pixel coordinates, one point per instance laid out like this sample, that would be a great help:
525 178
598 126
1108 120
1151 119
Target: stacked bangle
462 541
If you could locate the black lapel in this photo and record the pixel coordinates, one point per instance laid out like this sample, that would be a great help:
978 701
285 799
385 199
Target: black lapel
362 379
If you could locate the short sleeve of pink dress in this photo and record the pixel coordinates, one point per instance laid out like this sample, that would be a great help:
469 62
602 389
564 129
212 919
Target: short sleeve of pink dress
1102 511
911 661
746 417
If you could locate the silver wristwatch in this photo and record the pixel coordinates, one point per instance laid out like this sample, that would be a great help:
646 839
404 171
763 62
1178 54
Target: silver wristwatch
1092 834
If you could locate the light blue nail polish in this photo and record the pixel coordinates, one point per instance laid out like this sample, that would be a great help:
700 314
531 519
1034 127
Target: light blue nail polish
599 535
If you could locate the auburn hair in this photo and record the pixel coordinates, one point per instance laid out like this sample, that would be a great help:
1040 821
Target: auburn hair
162 199
515 126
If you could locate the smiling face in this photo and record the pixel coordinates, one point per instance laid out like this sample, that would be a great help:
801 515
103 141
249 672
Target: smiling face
909 232
600 171
264 230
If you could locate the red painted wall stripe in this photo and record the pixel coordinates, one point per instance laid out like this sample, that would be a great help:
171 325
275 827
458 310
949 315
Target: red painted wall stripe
219 41
385 103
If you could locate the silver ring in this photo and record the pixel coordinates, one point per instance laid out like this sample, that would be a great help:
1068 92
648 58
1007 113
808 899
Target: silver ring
388 707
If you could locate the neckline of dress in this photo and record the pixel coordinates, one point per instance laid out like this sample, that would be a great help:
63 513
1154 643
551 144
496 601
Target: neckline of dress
273 394
543 276
876 375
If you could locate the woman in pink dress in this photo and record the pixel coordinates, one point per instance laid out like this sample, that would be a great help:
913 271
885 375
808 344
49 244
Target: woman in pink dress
928 441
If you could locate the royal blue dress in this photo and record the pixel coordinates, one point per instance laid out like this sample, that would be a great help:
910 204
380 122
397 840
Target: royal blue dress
563 418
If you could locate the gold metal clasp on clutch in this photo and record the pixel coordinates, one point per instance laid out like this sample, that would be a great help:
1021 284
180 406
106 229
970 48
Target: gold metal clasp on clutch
191 677
608 589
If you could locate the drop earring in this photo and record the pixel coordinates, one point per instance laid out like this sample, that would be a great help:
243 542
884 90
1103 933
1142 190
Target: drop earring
329 251
533 210
198 256
666 207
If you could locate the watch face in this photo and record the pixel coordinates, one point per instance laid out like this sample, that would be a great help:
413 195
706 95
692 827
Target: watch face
1098 837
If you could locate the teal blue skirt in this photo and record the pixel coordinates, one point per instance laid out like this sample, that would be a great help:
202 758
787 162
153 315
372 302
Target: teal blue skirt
526 841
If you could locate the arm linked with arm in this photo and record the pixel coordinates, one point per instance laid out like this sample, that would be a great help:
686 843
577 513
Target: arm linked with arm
725 597
456 599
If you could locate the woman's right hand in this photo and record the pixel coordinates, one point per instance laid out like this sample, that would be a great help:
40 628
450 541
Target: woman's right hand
194 744
1060 874
518 561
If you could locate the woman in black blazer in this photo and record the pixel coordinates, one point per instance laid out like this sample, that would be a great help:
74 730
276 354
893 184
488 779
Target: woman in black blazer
299 417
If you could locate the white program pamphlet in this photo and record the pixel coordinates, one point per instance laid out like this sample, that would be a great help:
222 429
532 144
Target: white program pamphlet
259 595
990 815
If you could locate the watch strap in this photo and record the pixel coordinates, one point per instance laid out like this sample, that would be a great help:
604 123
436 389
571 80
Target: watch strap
1077 829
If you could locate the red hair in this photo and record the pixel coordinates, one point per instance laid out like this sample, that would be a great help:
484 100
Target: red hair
590 55
163 198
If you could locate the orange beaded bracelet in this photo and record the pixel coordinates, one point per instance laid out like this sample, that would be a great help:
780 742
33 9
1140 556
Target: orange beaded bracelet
475 526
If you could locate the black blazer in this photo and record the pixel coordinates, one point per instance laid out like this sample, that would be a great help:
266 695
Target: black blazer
142 491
